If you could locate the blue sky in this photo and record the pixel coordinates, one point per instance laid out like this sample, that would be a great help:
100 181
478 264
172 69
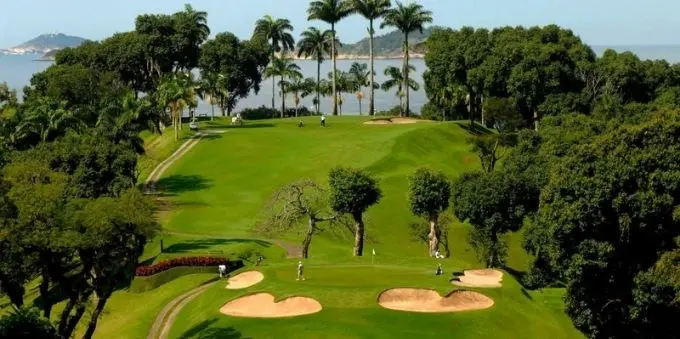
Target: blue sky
598 22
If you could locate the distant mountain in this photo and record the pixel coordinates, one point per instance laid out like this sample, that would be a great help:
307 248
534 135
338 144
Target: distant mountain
388 45
46 43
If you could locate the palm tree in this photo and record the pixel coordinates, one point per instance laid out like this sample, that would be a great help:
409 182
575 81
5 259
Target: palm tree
48 119
199 30
371 10
449 97
211 88
317 44
407 18
176 93
284 69
360 77
397 79
279 32
331 12
300 88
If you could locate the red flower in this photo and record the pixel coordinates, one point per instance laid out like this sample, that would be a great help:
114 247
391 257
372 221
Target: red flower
143 271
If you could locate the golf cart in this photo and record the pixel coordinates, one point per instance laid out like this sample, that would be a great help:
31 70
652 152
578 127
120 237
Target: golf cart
193 125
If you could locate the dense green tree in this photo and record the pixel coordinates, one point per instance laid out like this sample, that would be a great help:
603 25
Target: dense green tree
330 12
285 69
353 191
617 195
371 10
278 31
316 44
238 64
429 196
407 19
494 204
300 88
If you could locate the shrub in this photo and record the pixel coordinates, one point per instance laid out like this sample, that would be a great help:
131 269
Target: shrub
26 323
144 284
431 111
260 113
144 271
302 111
393 112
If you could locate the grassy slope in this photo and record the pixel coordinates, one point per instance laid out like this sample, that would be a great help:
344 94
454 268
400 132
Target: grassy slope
218 189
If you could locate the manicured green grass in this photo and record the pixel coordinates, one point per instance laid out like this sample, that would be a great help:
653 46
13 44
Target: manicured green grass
350 309
157 148
217 192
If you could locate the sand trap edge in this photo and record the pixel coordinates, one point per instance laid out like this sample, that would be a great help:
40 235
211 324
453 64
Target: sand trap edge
499 274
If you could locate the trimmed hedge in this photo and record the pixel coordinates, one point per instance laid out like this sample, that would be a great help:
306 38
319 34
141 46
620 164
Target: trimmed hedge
145 271
144 284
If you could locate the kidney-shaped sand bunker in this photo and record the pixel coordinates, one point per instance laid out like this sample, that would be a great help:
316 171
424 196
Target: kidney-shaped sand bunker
263 305
428 301
244 280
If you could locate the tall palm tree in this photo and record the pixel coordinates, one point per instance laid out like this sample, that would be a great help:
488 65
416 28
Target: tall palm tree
316 44
176 93
331 12
371 10
449 97
199 31
407 18
300 88
48 119
278 31
397 78
284 69
360 77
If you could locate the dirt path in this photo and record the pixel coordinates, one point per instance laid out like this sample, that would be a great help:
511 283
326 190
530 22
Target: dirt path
164 320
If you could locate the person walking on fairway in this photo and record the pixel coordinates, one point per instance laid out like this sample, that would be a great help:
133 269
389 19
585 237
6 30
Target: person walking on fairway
300 271
323 120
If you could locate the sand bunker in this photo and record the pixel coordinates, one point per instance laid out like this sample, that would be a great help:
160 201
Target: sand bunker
262 305
486 278
428 301
398 121
244 280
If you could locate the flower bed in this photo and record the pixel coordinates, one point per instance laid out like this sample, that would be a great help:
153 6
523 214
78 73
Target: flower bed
145 271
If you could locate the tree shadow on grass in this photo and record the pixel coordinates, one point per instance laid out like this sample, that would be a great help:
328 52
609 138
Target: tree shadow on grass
207 244
475 129
178 183
203 330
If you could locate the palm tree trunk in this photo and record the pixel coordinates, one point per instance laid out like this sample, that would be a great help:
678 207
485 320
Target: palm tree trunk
482 106
271 61
318 85
371 100
335 96
283 98
407 103
360 111
212 108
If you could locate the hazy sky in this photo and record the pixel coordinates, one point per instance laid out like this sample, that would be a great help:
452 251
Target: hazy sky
598 22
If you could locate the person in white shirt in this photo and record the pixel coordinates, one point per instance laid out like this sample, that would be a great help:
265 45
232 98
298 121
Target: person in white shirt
300 271
223 270
323 120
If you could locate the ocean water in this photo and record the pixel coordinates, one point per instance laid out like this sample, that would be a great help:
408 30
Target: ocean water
17 71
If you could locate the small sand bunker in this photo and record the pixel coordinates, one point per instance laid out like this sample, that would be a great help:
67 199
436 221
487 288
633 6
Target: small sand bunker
428 301
262 305
244 280
405 120
398 121
486 278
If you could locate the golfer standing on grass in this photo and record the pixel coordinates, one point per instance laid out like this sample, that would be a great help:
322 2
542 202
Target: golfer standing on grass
300 271
323 120
223 270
